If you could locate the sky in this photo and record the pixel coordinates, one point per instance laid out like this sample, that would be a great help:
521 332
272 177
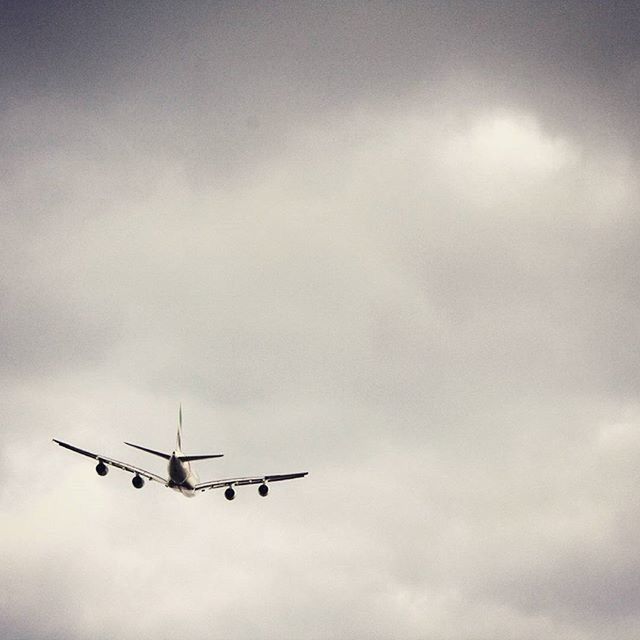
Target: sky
395 245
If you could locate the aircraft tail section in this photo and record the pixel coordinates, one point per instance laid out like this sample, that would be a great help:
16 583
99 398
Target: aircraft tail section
205 457
179 445
179 434
160 454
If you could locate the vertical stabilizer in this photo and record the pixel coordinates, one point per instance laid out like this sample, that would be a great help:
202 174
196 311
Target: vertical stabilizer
179 436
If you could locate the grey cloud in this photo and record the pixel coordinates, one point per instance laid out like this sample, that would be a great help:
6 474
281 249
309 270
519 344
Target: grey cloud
241 64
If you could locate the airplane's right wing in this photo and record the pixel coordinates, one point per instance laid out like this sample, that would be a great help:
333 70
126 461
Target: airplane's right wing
115 463
231 482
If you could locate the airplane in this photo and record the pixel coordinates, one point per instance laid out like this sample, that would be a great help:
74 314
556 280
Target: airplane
182 477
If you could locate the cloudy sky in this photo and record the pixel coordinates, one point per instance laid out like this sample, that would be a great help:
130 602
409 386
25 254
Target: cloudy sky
393 244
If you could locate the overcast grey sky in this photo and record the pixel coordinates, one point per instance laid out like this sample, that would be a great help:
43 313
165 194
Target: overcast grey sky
393 244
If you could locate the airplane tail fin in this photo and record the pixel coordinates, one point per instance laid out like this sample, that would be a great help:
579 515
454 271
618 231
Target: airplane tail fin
179 444
179 435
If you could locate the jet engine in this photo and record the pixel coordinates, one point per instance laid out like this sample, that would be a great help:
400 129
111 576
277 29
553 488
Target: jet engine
137 481
102 469
263 490
229 493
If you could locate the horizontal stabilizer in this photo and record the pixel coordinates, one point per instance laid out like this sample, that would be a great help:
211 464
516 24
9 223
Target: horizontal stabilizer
166 456
192 458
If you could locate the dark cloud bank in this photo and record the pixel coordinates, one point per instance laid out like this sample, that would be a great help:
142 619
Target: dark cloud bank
394 244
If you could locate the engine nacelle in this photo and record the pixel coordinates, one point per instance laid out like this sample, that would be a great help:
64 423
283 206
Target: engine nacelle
229 493
137 481
263 490
102 469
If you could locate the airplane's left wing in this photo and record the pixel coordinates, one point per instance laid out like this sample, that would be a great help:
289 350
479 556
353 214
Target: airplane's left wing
231 482
115 463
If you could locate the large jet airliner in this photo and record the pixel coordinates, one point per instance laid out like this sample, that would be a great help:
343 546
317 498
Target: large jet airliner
182 477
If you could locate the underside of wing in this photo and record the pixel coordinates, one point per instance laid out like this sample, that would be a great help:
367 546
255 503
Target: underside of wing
237 482
114 463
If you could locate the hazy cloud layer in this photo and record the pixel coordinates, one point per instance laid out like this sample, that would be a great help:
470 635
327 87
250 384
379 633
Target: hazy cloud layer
393 244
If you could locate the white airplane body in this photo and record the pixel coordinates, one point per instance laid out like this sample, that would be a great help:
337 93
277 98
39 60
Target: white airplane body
181 477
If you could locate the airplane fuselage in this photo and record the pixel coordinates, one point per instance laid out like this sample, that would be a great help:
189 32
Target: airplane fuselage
181 477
